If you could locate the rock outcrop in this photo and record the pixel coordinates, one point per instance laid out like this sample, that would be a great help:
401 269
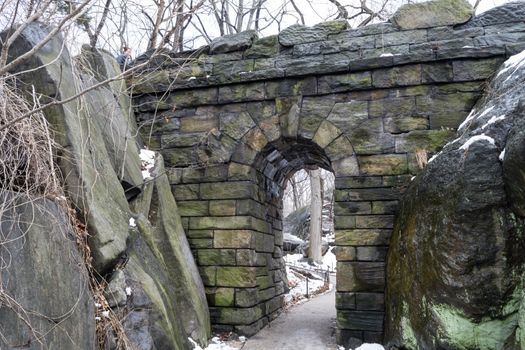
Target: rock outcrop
455 265
430 14
154 285
45 300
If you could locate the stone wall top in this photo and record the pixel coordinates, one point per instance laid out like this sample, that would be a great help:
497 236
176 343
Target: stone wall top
332 47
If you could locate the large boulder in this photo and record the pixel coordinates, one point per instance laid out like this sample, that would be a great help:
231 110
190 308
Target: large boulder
162 273
45 300
90 179
433 13
455 264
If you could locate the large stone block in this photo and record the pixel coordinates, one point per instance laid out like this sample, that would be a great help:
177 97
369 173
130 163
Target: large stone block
360 276
343 82
360 320
233 42
298 34
360 237
397 76
242 316
233 239
432 14
366 194
216 257
236 276
227 190
388 164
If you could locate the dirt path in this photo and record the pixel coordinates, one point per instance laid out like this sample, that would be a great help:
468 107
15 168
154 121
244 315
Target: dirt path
309 326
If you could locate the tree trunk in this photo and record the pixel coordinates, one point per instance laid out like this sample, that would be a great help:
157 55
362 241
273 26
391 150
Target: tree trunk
314 251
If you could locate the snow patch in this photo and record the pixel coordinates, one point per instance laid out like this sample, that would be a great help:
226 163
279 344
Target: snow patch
502 155
434 157
467 119
132 222
476 138
386 54
515 61
215 344
148 162
128 291
493 120
369 346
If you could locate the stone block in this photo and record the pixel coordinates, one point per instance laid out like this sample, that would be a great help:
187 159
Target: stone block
233 239
238 171
345 301
446 110
228 190
447 33
221 297
241 93
235 316
298 34
264 243
328 84
199 123
388 164
401 37
235 125
437 72
339 148
222 207
326 133
263 47
190 98
475 69
246 257
221 222
384 207
193 208
215 257
358 182
374 221
360 320
366 194
432 14
371 253
246 297
236 276
346 166
360 276
200 233
342 222
208 275
360 237
200 243
404 124
350 208
266 294
348 115
392 107
345 253
206 174
185 192
428 140
291 87
397 76
182 139
233 42
370 301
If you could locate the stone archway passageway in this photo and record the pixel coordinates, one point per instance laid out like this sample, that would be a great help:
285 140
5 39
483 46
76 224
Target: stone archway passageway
364 103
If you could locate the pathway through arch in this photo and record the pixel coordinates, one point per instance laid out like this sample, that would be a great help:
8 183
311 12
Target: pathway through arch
309 326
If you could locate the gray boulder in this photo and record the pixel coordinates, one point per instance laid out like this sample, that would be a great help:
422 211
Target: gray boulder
455 263
433 13
90 178
233 42
45 295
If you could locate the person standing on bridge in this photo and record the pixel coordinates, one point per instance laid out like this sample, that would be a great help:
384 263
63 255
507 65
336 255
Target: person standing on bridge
124 59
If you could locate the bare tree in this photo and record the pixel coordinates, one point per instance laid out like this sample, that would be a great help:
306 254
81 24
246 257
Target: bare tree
314 250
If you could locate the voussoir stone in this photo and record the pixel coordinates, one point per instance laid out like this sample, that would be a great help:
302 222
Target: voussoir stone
432 14
233 42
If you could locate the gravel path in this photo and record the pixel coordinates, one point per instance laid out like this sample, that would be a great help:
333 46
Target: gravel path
309 326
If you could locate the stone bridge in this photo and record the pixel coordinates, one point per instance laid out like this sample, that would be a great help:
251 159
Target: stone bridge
236 119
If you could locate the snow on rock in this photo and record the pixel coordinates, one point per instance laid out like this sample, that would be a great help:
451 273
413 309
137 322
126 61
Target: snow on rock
368 346
132 222
515 62
493 120
502 155
386 54
476 138
148 162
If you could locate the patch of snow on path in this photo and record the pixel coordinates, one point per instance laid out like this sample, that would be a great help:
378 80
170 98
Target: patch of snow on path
215 344
368 346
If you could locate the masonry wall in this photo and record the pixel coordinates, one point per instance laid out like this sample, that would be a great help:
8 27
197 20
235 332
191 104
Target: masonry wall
234 121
